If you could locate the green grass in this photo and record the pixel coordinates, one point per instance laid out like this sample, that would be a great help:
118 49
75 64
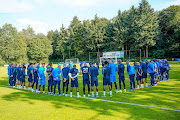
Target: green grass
23 104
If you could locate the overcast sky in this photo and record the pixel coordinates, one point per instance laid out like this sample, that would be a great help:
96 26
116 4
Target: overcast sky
45 15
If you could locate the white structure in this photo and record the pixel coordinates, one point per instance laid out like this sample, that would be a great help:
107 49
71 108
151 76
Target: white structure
112 56
74 60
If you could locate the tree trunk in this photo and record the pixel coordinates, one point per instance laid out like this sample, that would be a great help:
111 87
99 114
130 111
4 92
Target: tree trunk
75 54
126 49
63 56
69 55
146 51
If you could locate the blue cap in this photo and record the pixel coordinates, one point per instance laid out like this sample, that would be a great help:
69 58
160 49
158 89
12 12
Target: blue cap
59 64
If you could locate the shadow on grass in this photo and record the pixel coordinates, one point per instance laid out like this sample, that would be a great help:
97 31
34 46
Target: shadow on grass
101 107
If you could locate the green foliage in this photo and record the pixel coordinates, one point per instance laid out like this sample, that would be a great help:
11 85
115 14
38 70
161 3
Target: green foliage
155 33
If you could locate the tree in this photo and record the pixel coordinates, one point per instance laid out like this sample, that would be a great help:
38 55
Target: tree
40 48
13 48
147 25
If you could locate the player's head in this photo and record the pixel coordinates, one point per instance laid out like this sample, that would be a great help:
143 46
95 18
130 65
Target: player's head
50 64
106 63
93 64
59 65
140 61
120 61
74 66
110 61
154 59
31 64
15 65
24 67
43 64
35 64
148 61
165 60
127 62
64 65
85 64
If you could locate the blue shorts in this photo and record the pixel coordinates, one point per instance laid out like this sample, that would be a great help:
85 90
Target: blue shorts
42 82
138 77
74 83
86 80
30 79
144 75
35 79
50 81
106 82
94 83
14 78
112 78
22 79
121 78
18 77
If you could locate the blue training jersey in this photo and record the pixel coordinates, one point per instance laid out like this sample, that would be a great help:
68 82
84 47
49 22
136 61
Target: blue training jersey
139 69
121 69
113 69
151 67
56 74
85 71
131 69
93 72
71 64
74 72
35 71
65 72
144 67
106 71
29 71
41 71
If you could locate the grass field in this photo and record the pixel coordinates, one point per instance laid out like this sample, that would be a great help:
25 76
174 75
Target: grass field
23 104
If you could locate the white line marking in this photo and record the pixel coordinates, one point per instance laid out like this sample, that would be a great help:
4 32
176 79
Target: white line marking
120 102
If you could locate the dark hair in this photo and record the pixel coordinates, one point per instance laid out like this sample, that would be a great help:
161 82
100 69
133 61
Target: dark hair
30 63
50 63
74 65
24 67
106 62
43 63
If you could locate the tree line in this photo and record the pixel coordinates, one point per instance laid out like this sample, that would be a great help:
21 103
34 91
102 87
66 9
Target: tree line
156 33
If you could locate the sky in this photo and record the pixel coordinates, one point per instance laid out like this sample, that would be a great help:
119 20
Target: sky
46 15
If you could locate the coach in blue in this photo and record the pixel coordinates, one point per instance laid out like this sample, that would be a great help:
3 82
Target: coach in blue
113 74
94 72
65 72
121 75
85 72
42 78
57 80
167 68
131 72
151 69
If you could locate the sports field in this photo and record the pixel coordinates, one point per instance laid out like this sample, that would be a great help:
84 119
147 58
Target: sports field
23 104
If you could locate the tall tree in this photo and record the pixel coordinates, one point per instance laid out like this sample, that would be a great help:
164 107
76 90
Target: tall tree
147 24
